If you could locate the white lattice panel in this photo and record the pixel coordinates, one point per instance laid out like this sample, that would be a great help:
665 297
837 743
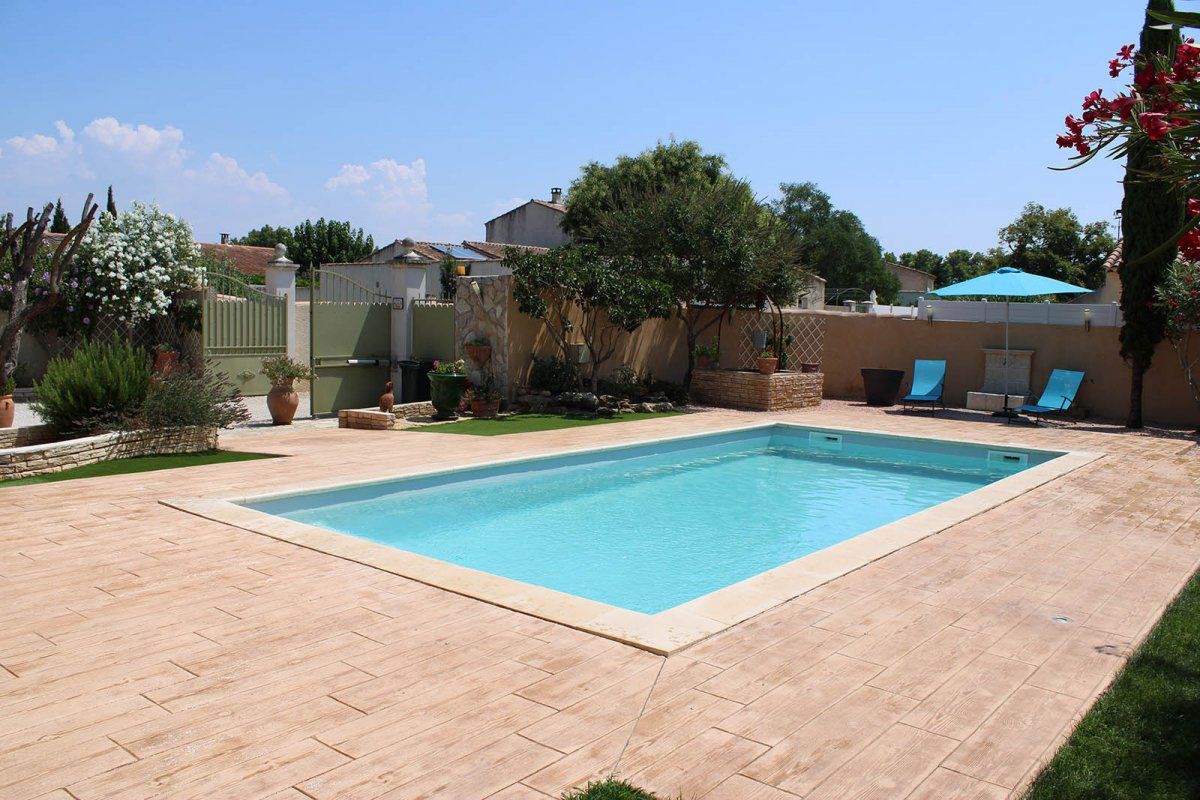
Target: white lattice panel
803 333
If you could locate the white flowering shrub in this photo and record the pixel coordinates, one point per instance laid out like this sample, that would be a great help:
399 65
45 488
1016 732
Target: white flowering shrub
131 267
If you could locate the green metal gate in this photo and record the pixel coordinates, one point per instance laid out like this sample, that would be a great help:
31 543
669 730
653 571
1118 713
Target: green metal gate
350 330
242 325
432 329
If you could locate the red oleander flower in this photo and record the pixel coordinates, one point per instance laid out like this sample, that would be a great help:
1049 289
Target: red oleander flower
1154 124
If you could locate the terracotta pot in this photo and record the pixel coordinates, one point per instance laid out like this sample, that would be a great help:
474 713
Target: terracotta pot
767 366
703 362
810 366
8 410
485 409
479 354
165 362
445 393
387 399
282 402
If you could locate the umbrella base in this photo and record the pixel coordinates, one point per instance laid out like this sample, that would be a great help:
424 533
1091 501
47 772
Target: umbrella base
1006 412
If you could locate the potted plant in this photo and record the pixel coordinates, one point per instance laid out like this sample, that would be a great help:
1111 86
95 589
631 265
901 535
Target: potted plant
447 380
707 355
166 360
479 351
485 399
8 409
767 362
282 400
810 366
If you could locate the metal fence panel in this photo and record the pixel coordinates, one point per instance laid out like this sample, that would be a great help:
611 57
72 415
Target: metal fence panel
433 329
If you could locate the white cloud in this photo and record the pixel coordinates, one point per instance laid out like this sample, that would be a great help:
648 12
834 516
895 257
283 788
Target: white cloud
350 175
141 141
223 171
392 200
216 193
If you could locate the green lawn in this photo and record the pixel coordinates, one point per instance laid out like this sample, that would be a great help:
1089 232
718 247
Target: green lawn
124 466
1142 738
609 790
527 423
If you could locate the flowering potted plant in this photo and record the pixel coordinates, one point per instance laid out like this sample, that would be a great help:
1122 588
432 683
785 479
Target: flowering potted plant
707 355
282 400
485 399
447 380
767 362
479 351
166 360
8 409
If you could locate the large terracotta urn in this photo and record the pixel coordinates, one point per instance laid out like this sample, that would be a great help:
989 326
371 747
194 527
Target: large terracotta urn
8 411
445 393
282 402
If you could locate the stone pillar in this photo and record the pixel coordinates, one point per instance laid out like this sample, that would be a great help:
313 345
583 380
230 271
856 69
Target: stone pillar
406 284
281 282
481 312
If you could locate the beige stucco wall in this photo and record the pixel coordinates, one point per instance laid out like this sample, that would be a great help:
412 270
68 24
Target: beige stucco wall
532 224
854 341
911 280
859 340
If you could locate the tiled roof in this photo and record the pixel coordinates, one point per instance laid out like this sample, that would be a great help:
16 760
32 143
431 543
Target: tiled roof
496 249
1114 259
554 206
910 269
244 258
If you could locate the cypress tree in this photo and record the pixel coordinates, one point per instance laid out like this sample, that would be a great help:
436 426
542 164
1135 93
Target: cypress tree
1152 211
112 204
60 223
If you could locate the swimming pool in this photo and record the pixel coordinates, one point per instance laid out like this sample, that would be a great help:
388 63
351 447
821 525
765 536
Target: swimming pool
652 527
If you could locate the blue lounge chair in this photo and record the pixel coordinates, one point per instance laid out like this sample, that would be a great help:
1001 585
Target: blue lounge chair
928 384
1058 396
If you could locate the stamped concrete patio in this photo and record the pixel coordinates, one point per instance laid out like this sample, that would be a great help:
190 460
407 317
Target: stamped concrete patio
145 652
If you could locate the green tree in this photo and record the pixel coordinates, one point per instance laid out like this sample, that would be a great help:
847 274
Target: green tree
960 265
1053 243
1152 213
311 244
713 244
585 297
60 223
833 243
601 188
924 260
267 236
111 205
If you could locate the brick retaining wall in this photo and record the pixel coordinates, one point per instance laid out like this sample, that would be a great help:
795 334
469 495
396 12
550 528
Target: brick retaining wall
29 460
754 391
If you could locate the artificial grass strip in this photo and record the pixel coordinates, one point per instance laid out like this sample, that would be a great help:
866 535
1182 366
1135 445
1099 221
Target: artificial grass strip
609 790
1142 737
125 466
529 423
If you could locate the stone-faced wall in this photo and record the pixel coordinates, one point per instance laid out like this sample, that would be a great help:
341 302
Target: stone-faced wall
481 312
754 391
24 462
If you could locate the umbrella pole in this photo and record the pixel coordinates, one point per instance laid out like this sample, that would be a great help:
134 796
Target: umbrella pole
1006 412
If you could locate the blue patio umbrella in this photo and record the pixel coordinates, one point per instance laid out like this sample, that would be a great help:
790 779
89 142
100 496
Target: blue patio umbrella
1008 282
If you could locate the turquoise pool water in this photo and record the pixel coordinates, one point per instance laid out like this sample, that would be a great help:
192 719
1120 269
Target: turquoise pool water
649 527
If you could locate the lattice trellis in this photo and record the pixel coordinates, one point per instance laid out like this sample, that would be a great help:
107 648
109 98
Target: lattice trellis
804 335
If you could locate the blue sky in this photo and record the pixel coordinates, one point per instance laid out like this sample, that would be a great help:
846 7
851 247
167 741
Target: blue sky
933 121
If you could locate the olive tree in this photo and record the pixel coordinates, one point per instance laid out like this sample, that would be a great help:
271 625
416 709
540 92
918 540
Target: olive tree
586 298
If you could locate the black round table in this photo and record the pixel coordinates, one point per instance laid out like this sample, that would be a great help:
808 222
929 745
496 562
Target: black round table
882 385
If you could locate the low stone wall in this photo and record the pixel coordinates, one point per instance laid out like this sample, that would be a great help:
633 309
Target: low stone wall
23 437
754 391
375 420
30 460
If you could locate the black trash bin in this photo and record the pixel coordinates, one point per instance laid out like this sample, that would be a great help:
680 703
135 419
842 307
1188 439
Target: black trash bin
423 370
408 380
882 386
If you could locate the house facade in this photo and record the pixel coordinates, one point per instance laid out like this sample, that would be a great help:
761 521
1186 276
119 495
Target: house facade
914 283
537 223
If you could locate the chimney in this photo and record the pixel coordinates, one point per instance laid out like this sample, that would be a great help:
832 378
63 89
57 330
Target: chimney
556 194
224 238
